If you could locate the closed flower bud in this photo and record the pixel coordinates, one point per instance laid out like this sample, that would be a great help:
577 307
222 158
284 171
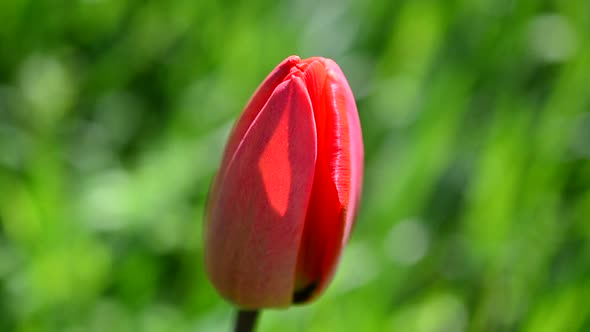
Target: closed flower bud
284 200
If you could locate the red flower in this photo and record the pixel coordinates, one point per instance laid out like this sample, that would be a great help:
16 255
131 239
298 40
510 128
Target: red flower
284 201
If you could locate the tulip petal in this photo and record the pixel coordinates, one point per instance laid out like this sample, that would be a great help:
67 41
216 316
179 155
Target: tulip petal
344 101
337 177
259 209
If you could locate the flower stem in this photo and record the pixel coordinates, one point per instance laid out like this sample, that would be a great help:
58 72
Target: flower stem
246 320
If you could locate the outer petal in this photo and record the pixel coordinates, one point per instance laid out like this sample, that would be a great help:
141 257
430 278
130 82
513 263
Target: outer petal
256 218
337 182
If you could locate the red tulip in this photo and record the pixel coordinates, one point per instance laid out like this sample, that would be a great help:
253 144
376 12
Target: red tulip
284 201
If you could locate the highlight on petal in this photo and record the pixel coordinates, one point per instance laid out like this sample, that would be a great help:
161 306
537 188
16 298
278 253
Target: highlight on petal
275 167
252 245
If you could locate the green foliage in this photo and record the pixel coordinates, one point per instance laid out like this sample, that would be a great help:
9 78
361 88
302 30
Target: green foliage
476 118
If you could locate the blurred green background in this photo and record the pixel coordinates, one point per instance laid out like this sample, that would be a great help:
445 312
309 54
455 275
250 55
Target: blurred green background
476 119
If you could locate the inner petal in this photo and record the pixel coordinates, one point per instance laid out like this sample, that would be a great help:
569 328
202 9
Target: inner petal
326 214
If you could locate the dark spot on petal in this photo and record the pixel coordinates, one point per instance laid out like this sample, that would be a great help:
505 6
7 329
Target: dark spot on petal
304 293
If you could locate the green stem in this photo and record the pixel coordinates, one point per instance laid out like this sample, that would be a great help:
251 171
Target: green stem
246 320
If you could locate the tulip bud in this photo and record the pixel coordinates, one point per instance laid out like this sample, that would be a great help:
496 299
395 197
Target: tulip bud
284 200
